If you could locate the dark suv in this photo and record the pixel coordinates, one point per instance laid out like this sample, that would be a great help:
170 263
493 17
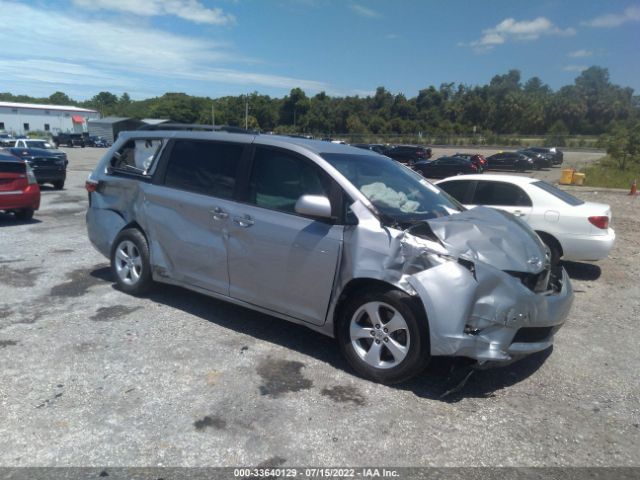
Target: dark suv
49 166
408 154
69 140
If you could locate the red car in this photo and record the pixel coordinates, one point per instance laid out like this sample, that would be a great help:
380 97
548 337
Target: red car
477 159
19 190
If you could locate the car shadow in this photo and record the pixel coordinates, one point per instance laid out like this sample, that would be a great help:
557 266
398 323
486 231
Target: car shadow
582 271
443 375
450 380
50 188
9 220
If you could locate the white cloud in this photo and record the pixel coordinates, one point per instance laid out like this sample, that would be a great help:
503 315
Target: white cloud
119 56
510 29
191 10
364 11
575 68
631 14
580 54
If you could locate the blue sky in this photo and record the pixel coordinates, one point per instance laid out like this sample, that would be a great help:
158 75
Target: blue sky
229 47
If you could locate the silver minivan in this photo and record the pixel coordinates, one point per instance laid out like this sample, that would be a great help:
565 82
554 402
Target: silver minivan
345 241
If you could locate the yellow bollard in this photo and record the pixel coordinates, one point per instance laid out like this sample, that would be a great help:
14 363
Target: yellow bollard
567 176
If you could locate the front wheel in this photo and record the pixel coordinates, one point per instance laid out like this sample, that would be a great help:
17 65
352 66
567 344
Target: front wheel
384 336
130 262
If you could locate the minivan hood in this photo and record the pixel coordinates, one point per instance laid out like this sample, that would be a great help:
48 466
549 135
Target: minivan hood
493 237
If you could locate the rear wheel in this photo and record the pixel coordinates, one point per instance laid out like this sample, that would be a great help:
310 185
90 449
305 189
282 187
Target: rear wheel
130 262
555 250
384 335
24 214
59 185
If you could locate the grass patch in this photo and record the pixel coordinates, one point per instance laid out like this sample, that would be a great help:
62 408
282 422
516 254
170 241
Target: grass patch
606 174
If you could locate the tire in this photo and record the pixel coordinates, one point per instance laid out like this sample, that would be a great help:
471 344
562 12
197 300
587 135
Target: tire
554 247
25 214
130 262
390 356
59 185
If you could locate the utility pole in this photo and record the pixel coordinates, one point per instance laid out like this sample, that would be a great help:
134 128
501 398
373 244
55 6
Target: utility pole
213 115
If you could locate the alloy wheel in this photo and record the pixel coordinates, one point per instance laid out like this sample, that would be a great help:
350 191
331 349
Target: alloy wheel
379 335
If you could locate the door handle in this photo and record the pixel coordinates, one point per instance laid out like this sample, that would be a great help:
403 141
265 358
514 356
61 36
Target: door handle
518 213
219 214
244 221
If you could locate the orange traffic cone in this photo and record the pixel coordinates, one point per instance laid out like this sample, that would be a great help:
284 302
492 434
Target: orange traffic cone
634 187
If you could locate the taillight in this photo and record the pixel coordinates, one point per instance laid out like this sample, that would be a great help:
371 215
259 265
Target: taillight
31 177
600 222
91 185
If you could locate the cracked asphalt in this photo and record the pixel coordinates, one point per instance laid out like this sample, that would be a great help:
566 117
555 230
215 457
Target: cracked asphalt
93 377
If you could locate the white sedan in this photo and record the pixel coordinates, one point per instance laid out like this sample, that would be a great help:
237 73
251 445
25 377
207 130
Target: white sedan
572 228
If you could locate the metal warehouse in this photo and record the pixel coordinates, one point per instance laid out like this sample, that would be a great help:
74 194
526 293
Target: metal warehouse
21 118
110 127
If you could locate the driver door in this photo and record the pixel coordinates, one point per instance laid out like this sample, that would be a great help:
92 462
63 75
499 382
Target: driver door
278 259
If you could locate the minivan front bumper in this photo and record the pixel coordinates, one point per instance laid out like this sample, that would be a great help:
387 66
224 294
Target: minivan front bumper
488 314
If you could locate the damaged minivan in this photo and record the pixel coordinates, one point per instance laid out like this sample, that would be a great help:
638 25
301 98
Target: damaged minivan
342 240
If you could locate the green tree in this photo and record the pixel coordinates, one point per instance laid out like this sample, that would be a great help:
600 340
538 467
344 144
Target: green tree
623 145
557 134
60 98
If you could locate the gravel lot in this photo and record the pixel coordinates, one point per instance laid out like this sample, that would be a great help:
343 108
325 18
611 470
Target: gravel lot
93 377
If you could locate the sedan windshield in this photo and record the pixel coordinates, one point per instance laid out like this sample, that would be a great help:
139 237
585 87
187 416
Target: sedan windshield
400 195
39 144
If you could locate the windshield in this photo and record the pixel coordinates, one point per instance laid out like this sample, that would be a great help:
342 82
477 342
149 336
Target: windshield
38 144
556 192
400 195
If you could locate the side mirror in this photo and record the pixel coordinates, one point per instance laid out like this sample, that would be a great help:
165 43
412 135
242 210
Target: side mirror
314 206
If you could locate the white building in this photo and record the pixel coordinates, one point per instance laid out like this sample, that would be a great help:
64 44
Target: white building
21 118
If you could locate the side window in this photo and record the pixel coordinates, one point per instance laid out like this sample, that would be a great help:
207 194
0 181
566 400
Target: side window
136 156
204 167
278 179
500 193
457 189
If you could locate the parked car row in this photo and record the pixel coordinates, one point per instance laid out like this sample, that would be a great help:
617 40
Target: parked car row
418 158
47 164
407 154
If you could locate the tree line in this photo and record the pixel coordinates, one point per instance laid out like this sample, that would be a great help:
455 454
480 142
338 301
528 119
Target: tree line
506 105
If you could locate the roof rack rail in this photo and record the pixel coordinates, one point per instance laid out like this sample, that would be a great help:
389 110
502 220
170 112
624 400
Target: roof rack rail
197 127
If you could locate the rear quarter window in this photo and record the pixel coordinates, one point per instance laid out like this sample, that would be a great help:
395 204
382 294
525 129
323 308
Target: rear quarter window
136 156
556 192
